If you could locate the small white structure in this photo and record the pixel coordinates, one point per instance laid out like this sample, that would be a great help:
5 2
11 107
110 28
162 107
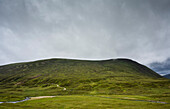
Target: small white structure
58 85
64 89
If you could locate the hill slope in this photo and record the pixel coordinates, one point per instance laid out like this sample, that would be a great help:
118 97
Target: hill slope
56 70
50 77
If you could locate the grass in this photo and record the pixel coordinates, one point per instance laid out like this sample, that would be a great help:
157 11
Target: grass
87 102
104 87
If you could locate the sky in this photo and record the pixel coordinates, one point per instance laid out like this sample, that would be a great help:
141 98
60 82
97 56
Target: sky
84 29
162 68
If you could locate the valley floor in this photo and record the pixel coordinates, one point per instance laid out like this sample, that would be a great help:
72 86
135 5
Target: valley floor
92 102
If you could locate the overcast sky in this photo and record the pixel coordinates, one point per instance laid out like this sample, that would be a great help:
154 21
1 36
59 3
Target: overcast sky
84 29
162 68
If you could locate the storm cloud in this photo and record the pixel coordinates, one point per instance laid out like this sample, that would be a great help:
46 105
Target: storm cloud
162 68
84 29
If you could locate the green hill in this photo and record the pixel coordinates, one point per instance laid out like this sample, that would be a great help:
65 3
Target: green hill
61 70
49 77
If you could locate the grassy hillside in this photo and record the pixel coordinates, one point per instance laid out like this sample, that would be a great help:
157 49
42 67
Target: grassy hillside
56 70
50 77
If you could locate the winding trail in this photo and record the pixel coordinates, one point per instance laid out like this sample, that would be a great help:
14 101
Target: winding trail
61 87
27 98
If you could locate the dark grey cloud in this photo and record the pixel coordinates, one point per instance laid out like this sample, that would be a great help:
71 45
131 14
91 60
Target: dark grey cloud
161 67
84 29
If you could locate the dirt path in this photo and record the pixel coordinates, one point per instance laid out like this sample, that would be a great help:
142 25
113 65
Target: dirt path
40 97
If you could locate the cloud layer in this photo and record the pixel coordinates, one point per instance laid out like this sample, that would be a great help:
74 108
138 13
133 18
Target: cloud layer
161 67
84 29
